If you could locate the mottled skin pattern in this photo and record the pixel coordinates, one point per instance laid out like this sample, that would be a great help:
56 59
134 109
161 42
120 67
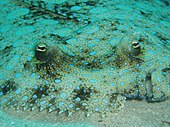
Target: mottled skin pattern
95 78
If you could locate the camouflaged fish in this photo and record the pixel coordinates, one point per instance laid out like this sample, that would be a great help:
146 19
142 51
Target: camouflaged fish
92 69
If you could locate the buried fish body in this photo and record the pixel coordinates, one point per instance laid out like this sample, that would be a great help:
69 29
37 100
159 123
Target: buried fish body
89 71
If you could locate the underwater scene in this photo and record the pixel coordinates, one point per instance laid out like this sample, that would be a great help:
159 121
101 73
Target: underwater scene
84 63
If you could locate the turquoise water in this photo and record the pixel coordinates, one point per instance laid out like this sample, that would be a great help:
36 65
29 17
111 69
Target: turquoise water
84 63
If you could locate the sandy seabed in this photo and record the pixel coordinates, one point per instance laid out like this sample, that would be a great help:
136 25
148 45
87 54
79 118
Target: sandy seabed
134 114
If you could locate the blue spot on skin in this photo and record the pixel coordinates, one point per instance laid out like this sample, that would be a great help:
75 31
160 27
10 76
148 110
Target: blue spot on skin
10 96
38 76
97 40
70 85
35 87
49 105
18 91
92 80
96 109
110 73
113 42
23 104
86 63
57 81
158 88
165 58
106 109
105 101
4 100
42 102
77 109
160 62
111 69
1 93
92 53
84 104
95 60
139 76
164 73
29 58
158 79
96 100
78 99
122 83
34 96
8 103
78 87
24 98
46 82
102 62
32 75
52 96
125 71
43 95
71 65
71 106
72 40
85 75
75 8
111 84
61 104
18 75
6 86
63 95
91 45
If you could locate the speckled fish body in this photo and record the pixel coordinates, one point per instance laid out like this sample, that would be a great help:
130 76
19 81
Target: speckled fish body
90 69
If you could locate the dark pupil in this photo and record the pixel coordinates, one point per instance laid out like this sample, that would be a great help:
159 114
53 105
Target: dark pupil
42 48
135 44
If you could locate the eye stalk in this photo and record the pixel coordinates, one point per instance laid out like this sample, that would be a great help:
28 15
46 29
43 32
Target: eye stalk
136 49
41 53
41 48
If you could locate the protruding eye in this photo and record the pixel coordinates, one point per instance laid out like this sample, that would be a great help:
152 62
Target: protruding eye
135 44
136 48
41 48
